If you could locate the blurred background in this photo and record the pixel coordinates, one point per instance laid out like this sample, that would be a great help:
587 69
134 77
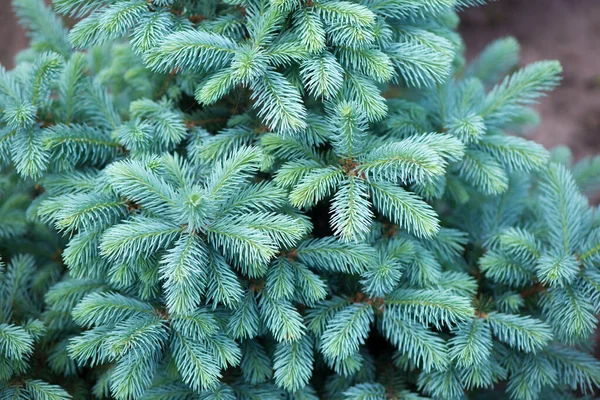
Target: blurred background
566 30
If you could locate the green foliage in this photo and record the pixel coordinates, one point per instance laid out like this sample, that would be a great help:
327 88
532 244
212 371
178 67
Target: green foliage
286 200
25 329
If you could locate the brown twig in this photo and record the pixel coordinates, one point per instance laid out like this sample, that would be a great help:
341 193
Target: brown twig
190 123
360 297
536 288
165 85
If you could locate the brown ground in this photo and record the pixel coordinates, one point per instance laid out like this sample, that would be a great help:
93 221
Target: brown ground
567 30
12 37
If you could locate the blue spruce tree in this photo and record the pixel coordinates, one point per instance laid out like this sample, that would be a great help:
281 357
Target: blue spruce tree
285 199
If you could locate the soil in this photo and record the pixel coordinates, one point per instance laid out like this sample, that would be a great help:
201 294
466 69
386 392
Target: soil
12 36
567 30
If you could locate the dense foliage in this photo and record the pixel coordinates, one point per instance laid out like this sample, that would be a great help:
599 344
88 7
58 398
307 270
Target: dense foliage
267 199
